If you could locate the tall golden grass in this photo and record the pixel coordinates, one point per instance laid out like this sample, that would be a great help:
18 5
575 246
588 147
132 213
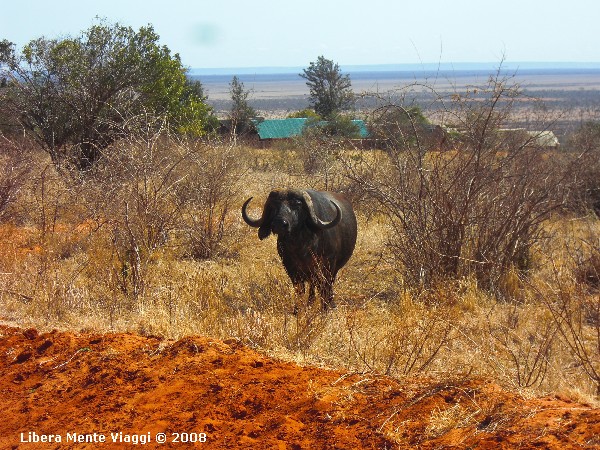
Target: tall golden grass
68 248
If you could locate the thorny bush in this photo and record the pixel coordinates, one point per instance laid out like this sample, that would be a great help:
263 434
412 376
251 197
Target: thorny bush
470 203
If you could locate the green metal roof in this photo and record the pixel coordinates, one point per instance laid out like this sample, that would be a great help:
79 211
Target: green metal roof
280 128
362 128
287 128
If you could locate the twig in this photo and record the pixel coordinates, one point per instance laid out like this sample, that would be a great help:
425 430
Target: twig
83 349
17 294
386 421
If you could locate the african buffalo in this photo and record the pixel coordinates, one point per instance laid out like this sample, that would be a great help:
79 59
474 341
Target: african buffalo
316 234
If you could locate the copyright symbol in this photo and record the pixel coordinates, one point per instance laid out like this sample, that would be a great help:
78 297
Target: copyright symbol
161 438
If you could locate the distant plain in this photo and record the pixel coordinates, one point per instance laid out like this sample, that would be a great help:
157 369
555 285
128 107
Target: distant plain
289 85
574 92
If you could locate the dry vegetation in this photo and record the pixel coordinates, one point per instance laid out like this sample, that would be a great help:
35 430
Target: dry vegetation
152 241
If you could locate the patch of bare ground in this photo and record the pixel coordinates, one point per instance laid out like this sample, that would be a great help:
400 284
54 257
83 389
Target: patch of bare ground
63 382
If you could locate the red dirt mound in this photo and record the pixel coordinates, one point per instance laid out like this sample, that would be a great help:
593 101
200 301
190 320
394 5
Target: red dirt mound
115 390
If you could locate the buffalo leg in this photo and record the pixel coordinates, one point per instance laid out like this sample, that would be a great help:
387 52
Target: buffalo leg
311 293
326 293
300 290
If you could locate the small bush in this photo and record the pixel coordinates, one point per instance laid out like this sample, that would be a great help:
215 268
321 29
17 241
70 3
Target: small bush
14 171
211 186
586 141
155 192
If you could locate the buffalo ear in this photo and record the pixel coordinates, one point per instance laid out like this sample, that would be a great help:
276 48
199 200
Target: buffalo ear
264 231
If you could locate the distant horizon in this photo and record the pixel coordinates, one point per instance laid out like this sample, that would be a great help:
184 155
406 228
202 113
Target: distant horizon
429 66
274 83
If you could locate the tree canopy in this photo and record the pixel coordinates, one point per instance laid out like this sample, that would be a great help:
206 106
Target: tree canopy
78 95
306 113
242 113
330 91
338 126
398 123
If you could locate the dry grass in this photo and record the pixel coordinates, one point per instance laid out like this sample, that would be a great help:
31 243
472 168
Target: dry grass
60 267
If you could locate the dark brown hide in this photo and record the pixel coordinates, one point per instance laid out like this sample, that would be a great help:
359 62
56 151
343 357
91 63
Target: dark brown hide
316 234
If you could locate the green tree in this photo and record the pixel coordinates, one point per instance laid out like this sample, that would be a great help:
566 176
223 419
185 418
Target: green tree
341 126
306 113
241 113
78 95
338 126
330 91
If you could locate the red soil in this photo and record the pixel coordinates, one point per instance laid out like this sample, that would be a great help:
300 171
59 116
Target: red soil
60 382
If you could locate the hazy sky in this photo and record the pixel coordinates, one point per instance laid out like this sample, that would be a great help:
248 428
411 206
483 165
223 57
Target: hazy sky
254 33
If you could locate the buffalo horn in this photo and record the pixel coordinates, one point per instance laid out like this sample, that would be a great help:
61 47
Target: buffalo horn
318 222
253 223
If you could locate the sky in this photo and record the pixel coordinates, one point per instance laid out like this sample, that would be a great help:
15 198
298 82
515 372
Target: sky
282 33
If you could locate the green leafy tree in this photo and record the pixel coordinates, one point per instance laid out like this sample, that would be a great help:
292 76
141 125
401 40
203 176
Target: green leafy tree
242 113
330 91
307 113
78 95
341 126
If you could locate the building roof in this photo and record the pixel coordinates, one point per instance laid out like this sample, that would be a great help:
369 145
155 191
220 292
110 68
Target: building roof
545 138
280 128
362 128
288 128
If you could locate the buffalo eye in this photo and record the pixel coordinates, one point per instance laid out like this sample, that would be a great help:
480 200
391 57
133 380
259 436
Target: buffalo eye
296 203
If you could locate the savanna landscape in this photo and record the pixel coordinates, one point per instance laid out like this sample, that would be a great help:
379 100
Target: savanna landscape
135 301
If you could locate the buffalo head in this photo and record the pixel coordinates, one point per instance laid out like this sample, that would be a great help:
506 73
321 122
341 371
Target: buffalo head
287 211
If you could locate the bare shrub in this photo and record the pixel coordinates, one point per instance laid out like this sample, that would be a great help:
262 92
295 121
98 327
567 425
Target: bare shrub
139 178
586 140
521 344
156 192
50 202
587 268
582 251
583 340
407 344
570 294
14 170
574 305
213 172
319 155
475 208
51 194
